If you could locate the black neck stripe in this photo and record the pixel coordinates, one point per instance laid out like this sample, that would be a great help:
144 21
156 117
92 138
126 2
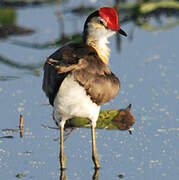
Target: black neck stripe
85 31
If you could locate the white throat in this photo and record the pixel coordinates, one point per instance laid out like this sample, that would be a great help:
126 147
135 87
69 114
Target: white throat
98 39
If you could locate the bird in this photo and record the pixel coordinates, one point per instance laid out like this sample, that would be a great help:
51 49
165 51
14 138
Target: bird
124 120
77 79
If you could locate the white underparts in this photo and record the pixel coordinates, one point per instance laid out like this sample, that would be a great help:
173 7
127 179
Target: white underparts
72 101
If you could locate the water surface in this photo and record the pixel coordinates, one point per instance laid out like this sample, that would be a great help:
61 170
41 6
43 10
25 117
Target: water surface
147 67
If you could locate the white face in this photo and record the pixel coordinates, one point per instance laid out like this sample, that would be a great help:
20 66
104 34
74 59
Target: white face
97 29
98 36
105 32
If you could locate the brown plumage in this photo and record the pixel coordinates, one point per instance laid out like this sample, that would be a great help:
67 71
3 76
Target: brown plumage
88 69
77 79
124 120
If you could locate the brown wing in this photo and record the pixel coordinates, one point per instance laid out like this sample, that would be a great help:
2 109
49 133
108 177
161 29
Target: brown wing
60 64
81 60
99 82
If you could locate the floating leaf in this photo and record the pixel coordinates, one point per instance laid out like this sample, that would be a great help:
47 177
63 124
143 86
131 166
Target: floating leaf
20 175
151 6
7 16
111 119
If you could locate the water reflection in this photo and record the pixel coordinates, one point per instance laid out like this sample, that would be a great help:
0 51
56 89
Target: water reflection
63 175
151 16
8 26
17 65
96 174
57 42
24 3
94 177
7 77
7 30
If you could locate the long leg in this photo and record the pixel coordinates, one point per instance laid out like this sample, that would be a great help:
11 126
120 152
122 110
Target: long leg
94 150
62 155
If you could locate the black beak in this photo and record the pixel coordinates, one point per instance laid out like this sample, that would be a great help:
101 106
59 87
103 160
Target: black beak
129 107
130 132
122 32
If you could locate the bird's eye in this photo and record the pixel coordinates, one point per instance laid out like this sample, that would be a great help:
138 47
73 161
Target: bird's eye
101 22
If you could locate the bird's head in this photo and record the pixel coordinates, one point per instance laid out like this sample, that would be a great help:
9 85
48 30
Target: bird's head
124 119
102 23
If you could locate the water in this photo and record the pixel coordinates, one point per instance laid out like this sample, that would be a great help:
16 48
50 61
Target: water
147 67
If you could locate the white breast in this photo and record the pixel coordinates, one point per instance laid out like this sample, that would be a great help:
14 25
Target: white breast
72 100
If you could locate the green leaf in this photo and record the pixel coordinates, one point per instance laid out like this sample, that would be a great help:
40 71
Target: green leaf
111 119
7 16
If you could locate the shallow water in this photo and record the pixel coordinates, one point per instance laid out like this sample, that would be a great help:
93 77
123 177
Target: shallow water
147 67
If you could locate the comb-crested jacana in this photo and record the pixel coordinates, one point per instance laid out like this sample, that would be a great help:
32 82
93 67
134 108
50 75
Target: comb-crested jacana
77 79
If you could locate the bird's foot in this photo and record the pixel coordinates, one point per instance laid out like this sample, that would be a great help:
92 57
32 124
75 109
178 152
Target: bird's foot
96 162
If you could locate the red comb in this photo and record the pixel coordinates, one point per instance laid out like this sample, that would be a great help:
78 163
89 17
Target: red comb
110 16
